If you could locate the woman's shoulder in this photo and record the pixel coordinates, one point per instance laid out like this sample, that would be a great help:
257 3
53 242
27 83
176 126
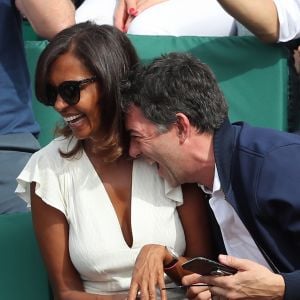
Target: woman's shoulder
59 144
51 153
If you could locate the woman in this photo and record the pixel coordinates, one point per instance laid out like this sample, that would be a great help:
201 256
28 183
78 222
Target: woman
94 209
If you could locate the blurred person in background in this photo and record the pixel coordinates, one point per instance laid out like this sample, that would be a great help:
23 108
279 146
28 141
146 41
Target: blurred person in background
159 17
18 128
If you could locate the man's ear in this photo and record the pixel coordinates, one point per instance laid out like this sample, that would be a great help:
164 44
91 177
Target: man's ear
183 127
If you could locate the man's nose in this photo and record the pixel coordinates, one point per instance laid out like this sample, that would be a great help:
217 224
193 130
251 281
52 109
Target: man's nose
134 150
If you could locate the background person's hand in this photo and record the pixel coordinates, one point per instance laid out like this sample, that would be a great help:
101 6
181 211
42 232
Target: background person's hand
148 273
127 10
123 11
297 59
252 281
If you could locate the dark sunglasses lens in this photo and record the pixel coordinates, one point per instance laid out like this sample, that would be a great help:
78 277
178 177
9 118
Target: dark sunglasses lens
70 92
51 95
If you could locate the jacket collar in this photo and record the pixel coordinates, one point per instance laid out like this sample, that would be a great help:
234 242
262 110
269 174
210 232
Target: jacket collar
223 151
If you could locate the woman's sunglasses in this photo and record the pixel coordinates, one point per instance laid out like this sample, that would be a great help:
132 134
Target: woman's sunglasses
69 91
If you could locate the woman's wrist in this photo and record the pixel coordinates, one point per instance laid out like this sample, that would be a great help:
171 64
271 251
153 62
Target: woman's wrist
171 258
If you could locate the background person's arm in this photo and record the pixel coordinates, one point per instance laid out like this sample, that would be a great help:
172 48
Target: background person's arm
258 16
49 17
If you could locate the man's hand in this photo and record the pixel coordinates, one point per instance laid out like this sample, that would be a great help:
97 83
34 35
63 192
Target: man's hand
127 10
252 281
196 292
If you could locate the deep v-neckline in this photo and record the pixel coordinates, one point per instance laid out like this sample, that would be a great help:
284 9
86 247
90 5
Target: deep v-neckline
112 210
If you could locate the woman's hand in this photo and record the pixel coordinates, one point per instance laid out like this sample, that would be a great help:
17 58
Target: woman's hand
123 13
148 273
127 10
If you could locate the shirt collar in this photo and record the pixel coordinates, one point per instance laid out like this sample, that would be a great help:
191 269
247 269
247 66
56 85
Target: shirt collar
216 184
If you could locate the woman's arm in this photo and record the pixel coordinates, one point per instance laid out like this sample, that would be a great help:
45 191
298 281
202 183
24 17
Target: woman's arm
148 273
194 216
198 234
52 233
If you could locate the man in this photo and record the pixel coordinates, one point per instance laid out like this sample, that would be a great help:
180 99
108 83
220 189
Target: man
18 129
177 118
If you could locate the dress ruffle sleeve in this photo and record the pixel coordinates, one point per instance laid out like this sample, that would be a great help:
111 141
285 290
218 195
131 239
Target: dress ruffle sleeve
45 172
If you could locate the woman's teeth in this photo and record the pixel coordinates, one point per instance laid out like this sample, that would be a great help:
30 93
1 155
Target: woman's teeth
72 118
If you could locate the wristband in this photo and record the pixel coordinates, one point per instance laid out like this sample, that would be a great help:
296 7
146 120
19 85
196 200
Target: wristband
174 260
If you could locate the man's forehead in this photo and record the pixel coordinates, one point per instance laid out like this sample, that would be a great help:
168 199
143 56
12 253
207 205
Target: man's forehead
133 109
135 120
134 115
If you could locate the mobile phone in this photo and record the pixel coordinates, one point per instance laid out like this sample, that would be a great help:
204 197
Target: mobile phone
205 266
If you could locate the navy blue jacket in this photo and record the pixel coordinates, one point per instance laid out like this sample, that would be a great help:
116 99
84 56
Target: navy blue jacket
259 171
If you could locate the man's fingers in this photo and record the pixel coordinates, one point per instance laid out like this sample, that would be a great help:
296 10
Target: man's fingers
191 279
195 292
198 293
237 263
221 293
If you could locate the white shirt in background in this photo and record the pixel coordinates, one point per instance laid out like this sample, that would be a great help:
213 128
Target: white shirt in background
172 17
289 19
237 239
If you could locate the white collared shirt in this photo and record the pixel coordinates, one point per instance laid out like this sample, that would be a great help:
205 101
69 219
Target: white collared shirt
237 239
288 12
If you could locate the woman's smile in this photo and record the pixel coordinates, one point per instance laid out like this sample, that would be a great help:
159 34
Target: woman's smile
83 118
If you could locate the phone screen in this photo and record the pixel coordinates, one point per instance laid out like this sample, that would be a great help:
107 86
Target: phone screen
205 266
